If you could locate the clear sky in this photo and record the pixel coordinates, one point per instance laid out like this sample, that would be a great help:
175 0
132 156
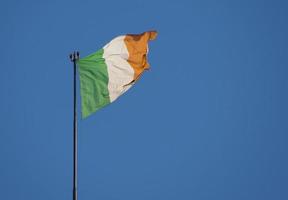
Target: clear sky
208 121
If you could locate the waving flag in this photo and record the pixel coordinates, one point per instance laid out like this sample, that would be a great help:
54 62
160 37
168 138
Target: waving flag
112 70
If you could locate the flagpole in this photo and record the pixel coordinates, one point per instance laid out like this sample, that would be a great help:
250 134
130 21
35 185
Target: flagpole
74 57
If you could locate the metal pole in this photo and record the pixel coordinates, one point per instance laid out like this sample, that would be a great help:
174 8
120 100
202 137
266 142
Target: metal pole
74 57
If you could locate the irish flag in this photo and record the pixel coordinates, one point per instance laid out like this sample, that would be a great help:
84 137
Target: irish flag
112 70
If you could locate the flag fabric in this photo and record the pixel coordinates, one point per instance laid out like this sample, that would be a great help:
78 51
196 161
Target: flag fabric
112 70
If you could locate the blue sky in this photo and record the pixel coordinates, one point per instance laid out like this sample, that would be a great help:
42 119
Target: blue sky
208 121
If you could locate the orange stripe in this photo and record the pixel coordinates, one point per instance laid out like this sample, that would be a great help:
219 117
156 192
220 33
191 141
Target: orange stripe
137 47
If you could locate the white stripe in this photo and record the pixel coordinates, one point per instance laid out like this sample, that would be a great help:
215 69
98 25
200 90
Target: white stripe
120 73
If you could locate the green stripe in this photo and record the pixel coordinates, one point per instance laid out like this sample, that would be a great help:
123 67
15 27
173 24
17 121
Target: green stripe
93 83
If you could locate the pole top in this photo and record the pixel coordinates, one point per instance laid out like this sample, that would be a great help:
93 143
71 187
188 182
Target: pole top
74 56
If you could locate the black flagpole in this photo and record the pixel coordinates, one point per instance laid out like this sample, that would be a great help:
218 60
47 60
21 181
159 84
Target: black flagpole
74 57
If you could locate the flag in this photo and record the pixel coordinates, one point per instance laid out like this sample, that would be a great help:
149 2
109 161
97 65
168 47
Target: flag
112 70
